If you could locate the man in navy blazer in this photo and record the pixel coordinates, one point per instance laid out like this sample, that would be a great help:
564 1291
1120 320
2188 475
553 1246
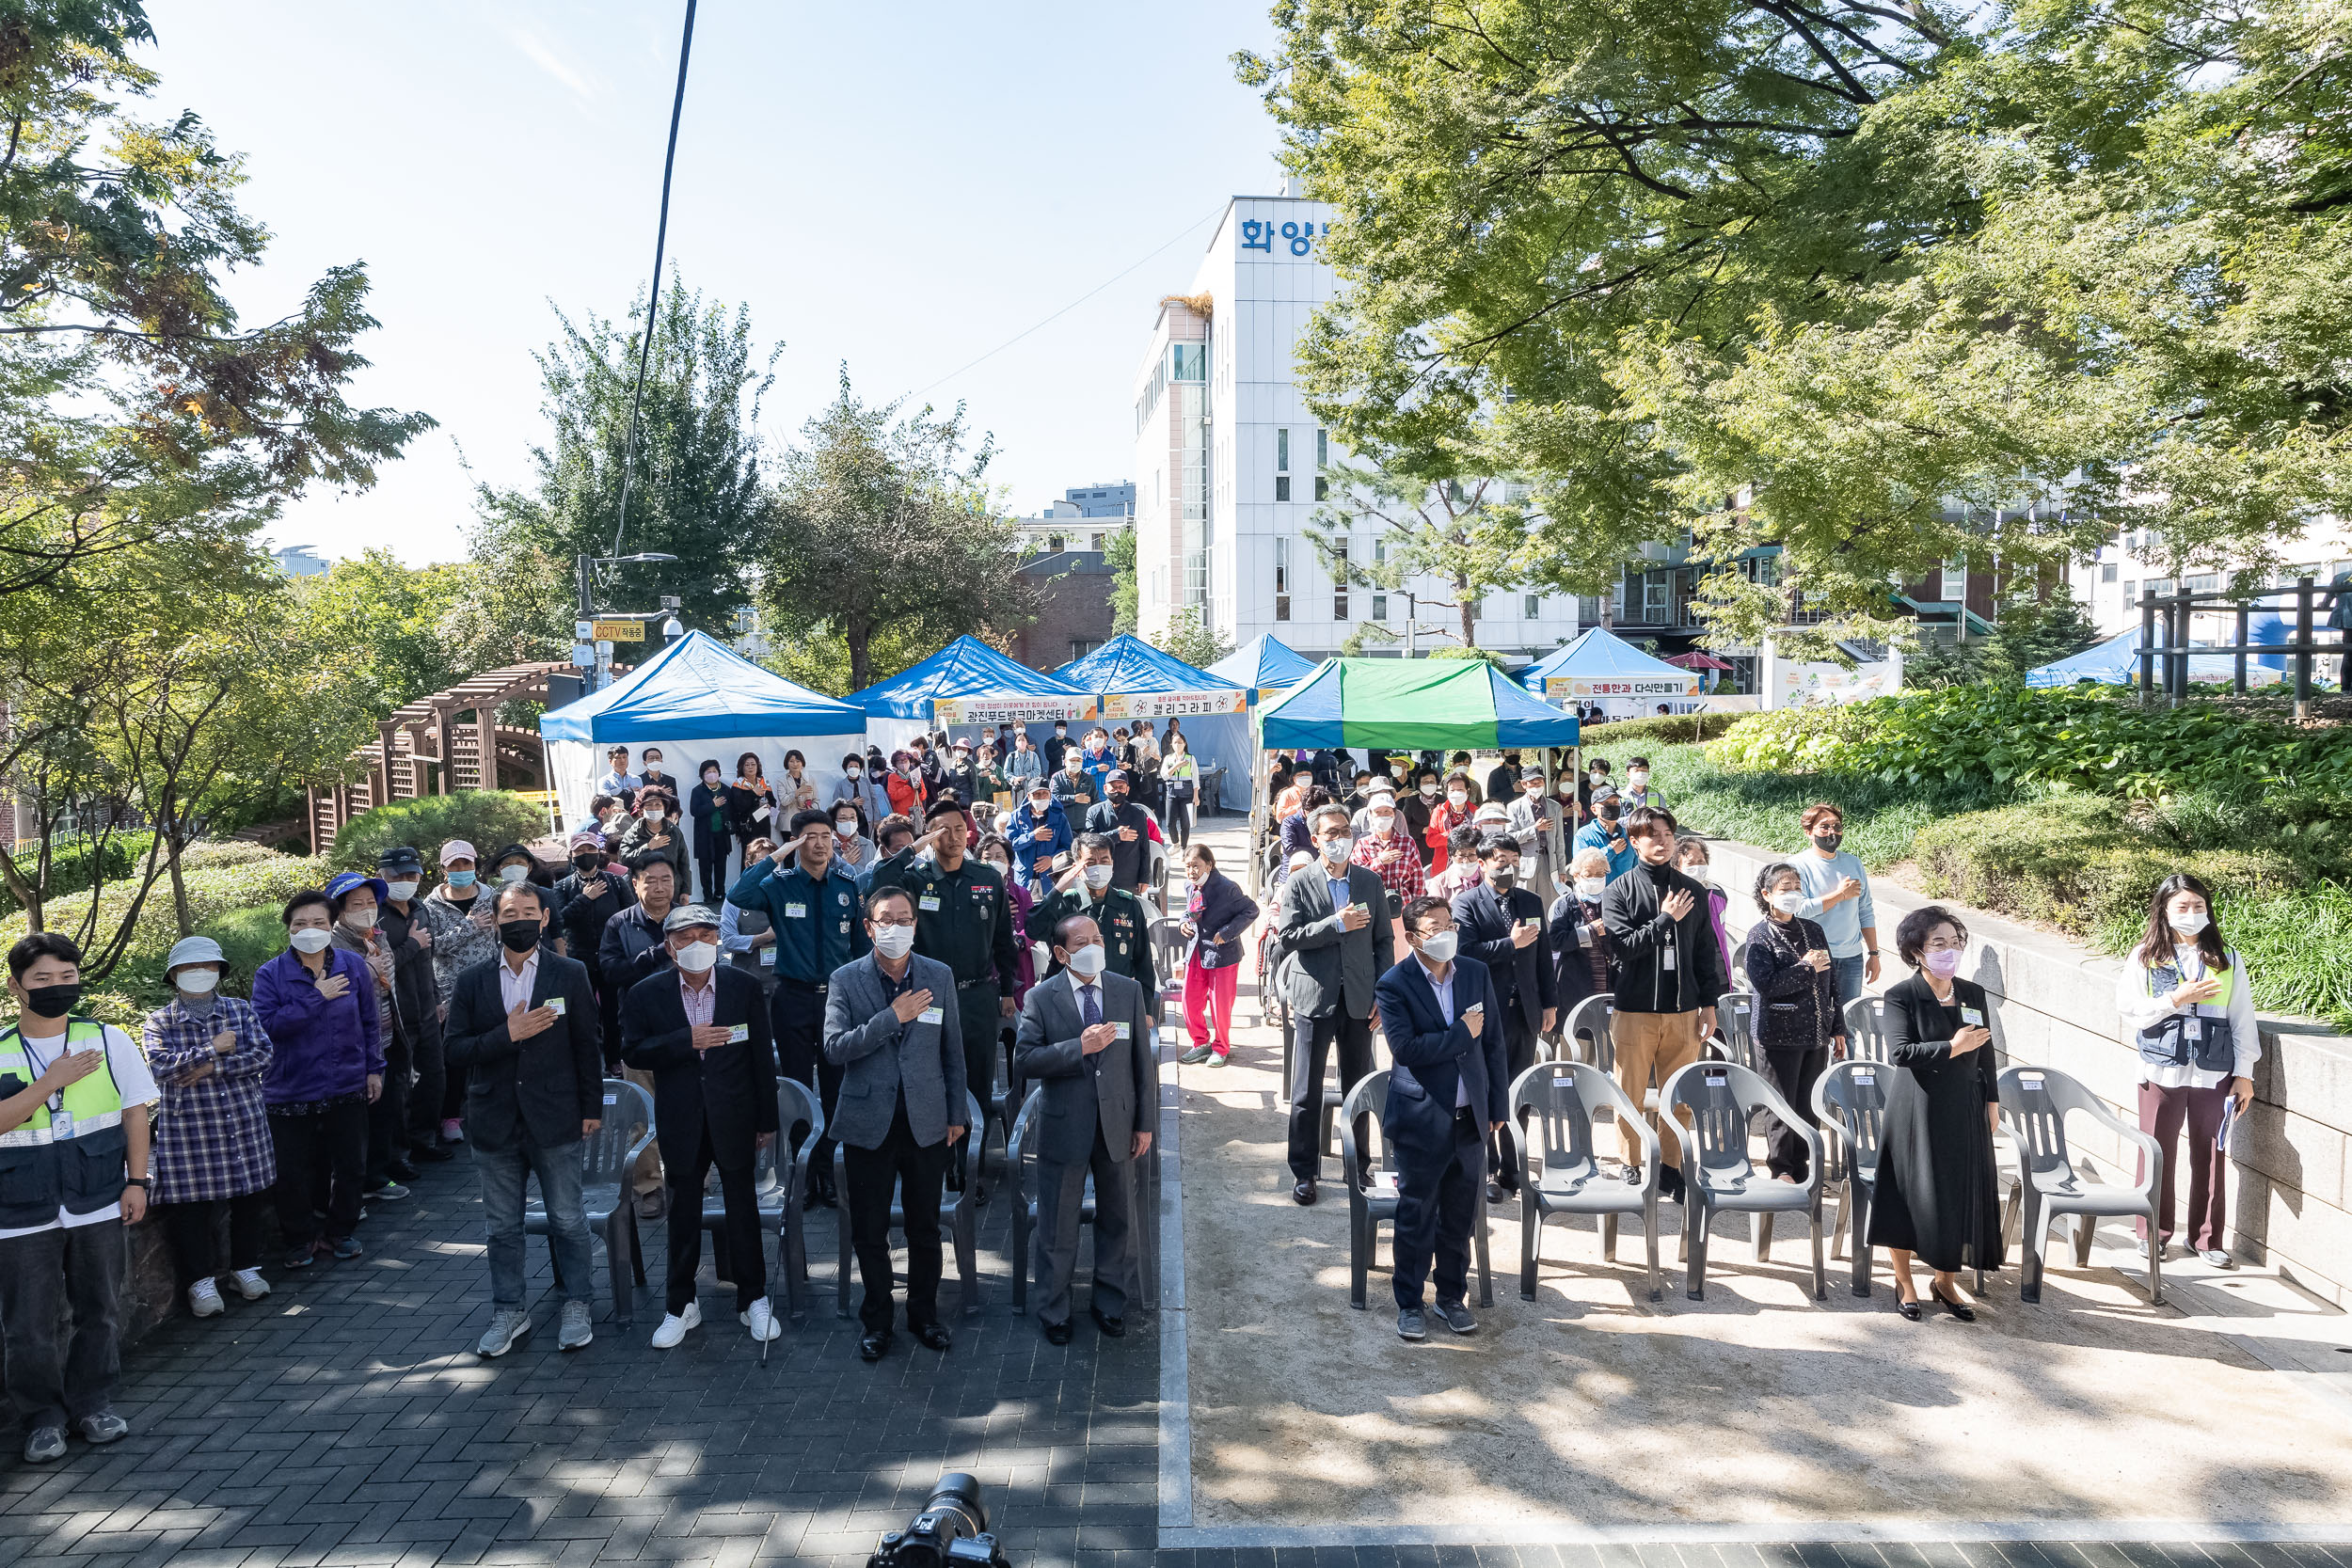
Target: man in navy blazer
1446 1093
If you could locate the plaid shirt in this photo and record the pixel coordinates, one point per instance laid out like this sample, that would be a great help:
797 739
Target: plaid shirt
1399 872
212 1135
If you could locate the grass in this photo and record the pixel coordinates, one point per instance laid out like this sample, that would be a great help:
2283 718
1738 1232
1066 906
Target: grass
1881 819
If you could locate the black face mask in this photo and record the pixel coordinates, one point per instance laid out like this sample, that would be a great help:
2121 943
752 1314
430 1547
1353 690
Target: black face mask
587 866
520 936
1828 843
1119 796
1503 875
53 1001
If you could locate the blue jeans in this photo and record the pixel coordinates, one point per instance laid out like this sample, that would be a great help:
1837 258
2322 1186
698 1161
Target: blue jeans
1848 974
503 1174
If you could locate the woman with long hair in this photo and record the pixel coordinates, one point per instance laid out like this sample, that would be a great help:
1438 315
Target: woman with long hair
751 807
2188 1010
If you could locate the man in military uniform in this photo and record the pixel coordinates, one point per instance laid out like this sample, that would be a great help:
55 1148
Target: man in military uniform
814 910
1126 827
1087 889
964 918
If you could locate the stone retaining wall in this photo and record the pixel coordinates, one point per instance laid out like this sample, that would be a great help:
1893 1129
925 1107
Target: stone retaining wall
2055 1006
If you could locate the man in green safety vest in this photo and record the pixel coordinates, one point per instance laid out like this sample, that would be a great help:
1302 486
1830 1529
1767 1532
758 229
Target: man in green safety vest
74 1142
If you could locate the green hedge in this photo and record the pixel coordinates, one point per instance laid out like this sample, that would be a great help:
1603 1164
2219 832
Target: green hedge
69 866
1610 740
486 818
1762 808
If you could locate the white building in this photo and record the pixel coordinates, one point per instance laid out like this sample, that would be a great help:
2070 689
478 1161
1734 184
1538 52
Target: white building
2111 585
300 561
1063 525
1228 461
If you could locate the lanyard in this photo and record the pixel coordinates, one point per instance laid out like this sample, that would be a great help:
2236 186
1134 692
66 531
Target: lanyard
56 1100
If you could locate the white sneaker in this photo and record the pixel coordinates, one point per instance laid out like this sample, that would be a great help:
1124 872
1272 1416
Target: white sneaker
761 1321
249 1284
204 1299
675 1325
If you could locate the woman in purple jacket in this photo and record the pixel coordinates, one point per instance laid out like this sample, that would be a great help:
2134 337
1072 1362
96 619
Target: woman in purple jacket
318 1003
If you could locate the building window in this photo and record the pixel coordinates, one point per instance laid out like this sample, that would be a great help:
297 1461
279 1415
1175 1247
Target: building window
2106 573
1952 581
2205 582
1379 607
1192 361
1323 489
1533 606
1282 580
1322 449
1282 452
1656 598
1282 488
1339 580
1080 647
1588 610
1096 542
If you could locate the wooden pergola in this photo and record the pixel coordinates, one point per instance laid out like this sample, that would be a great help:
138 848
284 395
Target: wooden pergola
441 744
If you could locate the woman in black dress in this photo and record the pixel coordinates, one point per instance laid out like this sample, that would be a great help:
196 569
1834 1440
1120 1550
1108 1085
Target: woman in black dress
1797 1021
1935 1178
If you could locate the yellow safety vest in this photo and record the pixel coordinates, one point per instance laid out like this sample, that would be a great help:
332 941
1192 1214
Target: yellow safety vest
72 1156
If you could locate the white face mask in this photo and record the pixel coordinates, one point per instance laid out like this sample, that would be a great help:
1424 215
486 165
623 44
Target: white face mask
1429 792
359 919
696 957
1638 778
402 891
1088 960
853 770
653 814
309 939
2188 925
893 942
1385 821
1591 888
848 828
195 982
513 874
1098 876
1457 797
1440 948
1336 849
1786 902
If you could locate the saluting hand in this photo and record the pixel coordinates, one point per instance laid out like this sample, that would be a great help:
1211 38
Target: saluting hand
710 1036
1677 904
1096 1037
910 1006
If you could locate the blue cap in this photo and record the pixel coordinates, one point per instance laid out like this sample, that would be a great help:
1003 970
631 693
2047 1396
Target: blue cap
344 882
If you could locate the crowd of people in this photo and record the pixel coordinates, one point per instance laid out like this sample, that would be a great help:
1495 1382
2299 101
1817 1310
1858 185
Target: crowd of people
1418 896
895 945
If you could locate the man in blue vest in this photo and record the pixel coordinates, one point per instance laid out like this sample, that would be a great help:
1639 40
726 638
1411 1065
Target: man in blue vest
74 1098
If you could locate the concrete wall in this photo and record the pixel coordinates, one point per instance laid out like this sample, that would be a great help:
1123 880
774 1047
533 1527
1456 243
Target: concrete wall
2054 1005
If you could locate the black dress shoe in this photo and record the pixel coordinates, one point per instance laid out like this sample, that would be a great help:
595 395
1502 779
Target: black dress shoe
1965 1313
1304 1194
1496 1194
934 1337
1113 1328
872 1347
1057 1333
1909 1309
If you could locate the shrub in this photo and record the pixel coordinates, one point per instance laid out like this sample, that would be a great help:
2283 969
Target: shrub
1762 808
248 938
2296 946
486 818
1611 739
70 864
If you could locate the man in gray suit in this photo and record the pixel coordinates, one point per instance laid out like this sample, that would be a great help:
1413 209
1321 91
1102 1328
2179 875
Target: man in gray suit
1332 921
1086 1037
890 1023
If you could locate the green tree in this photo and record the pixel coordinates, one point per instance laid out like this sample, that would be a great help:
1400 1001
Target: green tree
1191 638
883 528
1119 553
1428 525
695 491
1842 277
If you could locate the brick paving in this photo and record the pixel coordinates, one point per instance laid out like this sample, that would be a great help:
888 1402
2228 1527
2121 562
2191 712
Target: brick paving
344 1422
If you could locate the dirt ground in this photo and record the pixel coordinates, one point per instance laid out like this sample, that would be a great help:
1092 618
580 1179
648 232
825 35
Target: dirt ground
1591 1405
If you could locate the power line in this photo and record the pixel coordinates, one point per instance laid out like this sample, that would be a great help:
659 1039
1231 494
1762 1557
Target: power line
1076 303
653 298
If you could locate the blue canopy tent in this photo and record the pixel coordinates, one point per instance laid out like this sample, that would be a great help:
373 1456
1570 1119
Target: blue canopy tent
964 685
1262 666
1138 681
1602 667
2116 661
696 698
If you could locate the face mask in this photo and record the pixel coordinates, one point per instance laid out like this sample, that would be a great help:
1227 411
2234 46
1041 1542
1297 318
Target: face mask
1088 960
1638 778
309 939
1828 843
696 957
1038 807
359 919
510 875
1385 820
847 828
1786 902
586 865
1336 849
1944 962
1119 797
853 770
653 814
1098 876
1002 869
402 892
520 936
653 766
963 759
1503 875
2188 925
1429 792
711 776
195 982
893 942
1591 888
1060 733
461 879
1457 799
1440 948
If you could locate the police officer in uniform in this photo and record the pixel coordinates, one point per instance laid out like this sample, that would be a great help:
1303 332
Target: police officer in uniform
811 904
963 919
1088 888
73 1146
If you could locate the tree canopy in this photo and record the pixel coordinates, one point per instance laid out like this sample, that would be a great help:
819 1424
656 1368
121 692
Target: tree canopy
1879 283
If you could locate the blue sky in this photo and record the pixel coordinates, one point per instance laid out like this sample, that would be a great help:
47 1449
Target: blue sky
902 186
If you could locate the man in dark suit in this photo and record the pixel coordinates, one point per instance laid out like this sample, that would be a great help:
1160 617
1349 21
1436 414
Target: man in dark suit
703 1032
629 950
1127 826
1086 1037
1500 923
1333 919
523 1028
892 1025
1446 1095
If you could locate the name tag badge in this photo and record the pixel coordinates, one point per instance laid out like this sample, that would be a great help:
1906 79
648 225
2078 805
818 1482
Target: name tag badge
555 1004
61 1124
1121 1031
2193 1029
928 903
1972 1017
1122 949
1666 959
740 1034
844 928
767 957
796 911
931 1015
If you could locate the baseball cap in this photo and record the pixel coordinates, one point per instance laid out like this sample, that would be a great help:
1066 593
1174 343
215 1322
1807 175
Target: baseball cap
458 849
400 857
686 915
586 840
